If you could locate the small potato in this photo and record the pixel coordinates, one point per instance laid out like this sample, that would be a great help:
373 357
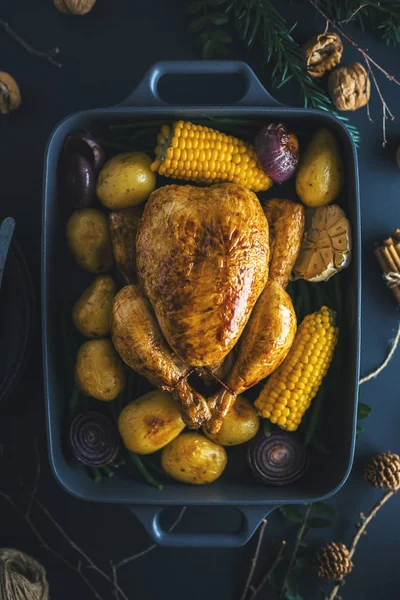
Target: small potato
88 238
192 458
150 422
239 426
99 371
91 312
126 180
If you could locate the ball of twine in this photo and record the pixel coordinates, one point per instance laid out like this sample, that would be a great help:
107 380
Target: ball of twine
21 577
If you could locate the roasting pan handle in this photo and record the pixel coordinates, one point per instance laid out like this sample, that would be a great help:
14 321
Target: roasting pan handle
251 518
146 93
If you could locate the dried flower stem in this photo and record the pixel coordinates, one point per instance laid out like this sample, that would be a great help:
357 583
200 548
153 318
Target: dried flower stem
48 56
361 527
129 559
354 13
254 559
268 574
296 547
385 108
353 43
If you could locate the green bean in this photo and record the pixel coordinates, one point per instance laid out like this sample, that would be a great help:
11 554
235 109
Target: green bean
143 471
73 402
96 474
315 415
107 472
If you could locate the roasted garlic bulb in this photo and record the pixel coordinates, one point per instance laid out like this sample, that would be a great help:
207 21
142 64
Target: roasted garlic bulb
326 245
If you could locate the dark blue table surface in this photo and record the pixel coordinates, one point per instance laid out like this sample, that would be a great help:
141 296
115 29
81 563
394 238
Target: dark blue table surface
104 56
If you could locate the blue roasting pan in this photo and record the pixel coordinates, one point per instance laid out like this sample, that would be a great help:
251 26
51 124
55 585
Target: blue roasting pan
62 282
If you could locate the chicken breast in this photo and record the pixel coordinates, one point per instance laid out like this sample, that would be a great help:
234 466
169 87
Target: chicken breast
265 342
202 257
286 227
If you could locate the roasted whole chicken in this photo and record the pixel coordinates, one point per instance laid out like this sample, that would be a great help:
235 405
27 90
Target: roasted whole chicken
203 258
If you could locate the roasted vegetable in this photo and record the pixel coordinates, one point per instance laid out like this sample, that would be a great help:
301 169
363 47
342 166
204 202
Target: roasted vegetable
278 459
94 439
125 180
288 392
91 312
83 143
88 238
197 153
319 178
99 371
123 228
286 226
277 151
192 458
239 425
150 422
326 246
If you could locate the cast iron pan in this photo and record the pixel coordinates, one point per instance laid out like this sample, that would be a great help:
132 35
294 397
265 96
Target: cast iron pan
17 301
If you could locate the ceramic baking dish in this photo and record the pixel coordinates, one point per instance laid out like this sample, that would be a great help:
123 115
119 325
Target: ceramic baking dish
62 281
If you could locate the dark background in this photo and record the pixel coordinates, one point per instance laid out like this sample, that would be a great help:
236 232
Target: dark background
104 55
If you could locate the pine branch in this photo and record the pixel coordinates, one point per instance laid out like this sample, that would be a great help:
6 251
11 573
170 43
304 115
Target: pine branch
259 22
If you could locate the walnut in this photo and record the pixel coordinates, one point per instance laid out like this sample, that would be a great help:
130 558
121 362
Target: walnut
349 87
323 53
10 97
74 7
398 156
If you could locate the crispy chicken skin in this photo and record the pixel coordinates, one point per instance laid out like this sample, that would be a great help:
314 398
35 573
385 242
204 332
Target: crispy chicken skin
202 258
140 343
264 344
123 228
286 227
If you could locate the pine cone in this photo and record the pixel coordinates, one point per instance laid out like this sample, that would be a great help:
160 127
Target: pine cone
333 561
384 471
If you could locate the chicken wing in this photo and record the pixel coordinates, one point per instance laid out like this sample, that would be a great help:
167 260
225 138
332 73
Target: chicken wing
264 344
139 341
286 226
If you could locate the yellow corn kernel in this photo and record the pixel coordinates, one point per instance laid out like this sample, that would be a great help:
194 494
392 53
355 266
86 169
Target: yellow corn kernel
285 404
218 157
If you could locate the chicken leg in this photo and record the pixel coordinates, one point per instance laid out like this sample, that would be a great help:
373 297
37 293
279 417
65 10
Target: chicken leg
264 344
139 341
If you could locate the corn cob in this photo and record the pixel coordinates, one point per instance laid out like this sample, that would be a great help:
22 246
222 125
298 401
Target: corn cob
288 392
202 154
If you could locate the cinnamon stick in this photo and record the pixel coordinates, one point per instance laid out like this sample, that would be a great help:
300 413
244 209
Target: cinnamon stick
388 256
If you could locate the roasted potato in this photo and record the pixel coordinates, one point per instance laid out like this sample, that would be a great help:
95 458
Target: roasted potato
91 312
125 180
123 228
193 458
320 176
239 426
150 422
99 371
88 238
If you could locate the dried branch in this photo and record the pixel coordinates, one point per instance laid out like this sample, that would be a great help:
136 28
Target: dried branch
268 574
361 527
385 108
254 559
45 545
296 547
48 56
129 559
37 477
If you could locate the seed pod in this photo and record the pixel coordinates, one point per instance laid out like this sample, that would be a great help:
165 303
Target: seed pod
279 459
10 97
93 438
74 7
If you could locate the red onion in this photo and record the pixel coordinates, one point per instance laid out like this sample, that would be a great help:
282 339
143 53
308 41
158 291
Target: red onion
94 439
278 459
278 151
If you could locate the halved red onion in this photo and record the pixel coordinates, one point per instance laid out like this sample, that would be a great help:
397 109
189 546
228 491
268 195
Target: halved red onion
277 151
278 459
94 439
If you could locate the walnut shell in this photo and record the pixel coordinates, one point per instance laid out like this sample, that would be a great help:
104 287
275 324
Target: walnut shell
10 97
398 156
349 87
323 52
326 245
74 7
